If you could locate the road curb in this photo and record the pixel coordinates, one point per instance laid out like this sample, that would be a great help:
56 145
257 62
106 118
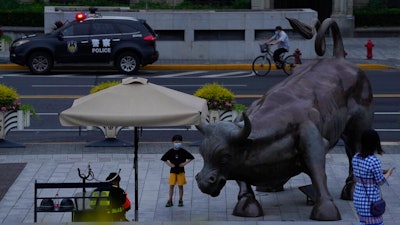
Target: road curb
197 67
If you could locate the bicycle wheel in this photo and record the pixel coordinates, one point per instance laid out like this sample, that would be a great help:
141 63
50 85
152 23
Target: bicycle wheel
261 65
289 64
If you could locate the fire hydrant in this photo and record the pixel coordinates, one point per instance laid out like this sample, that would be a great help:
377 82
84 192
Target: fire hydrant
297 55
369 45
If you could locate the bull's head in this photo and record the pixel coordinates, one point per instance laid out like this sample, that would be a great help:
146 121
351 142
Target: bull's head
223 150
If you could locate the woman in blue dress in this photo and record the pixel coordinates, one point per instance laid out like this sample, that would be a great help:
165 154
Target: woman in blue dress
369 177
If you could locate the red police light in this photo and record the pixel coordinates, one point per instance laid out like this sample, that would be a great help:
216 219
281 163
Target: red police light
80 16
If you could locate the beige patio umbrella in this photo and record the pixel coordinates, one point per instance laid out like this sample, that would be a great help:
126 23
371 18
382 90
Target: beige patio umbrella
135 102
138 103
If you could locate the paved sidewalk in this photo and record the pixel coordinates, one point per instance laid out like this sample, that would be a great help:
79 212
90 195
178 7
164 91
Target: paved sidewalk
59 163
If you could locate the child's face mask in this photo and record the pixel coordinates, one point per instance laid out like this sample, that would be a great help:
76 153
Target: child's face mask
177 145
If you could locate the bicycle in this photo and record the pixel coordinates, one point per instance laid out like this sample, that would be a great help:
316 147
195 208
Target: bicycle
262 64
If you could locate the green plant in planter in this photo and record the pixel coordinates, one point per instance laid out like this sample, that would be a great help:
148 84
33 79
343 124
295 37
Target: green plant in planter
239 108
103 85
9 101
6 38
29 108
217 96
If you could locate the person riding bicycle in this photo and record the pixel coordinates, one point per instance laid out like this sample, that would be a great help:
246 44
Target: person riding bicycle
280 37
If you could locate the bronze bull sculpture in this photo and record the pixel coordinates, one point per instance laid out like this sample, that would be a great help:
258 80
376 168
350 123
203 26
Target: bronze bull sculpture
290 130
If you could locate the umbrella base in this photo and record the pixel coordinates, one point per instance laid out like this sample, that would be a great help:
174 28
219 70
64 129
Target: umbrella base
9 144
110 142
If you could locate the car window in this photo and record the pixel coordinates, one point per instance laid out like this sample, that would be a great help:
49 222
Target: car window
125 28
103 28
148 27
77 29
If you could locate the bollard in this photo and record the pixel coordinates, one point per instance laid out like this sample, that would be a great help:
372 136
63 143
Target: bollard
297 55
369 45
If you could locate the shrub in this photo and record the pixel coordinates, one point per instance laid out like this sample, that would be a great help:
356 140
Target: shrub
217 97
370 17
9 101
8 98
103 85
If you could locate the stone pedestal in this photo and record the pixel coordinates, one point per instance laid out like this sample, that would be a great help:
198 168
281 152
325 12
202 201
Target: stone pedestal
346 24
342 13
110 137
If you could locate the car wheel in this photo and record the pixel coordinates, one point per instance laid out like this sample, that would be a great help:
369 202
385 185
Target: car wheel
128 63
40 63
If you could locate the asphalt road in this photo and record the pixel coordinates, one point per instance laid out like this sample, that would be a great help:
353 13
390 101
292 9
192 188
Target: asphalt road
52 94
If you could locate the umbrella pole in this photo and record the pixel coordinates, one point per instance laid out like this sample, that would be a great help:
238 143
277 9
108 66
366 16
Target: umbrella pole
135 165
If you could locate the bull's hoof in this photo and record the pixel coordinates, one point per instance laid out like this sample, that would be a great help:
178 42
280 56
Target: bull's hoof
277 188
325 211
248 206
347 191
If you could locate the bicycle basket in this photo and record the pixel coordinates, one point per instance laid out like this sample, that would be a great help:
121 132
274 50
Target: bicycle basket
264 47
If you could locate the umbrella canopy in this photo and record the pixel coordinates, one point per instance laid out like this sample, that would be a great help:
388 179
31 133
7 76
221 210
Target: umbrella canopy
135 102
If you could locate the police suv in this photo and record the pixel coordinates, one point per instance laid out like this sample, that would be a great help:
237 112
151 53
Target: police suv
126 42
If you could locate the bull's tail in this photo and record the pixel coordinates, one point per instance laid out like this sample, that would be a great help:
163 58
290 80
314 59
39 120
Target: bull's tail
320 46
308 31
305 30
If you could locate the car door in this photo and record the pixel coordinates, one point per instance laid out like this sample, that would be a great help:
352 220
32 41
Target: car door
74 44
103 39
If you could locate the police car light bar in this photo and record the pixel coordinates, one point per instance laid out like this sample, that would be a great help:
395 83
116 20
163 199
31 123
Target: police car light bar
80 16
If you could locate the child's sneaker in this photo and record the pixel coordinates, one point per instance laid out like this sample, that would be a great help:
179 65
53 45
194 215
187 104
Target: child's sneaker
169 204
180 203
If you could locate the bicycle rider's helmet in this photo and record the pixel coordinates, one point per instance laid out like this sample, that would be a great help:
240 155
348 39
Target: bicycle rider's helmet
278 28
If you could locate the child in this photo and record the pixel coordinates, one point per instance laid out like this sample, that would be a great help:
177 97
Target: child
176 158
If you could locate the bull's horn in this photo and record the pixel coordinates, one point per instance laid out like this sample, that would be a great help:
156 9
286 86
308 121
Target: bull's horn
338 48
203 127
245 131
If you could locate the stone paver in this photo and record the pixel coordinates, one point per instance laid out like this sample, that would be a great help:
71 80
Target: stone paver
287 207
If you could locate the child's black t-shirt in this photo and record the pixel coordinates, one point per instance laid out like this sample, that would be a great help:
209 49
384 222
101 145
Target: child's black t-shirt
177 157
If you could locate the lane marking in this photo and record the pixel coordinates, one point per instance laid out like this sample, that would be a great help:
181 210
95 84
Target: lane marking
225 74
81 129
388 130
376 113
374 95
180 74
61 85
153 142
50 96
387 113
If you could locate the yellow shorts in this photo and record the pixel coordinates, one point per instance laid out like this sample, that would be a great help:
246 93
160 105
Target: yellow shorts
177 178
